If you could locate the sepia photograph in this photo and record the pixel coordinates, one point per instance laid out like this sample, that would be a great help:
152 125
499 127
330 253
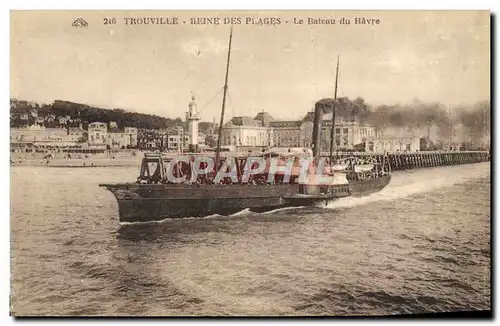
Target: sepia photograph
250 163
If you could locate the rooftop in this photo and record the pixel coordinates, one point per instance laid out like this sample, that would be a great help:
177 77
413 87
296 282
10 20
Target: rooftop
244 121
264 117
285 124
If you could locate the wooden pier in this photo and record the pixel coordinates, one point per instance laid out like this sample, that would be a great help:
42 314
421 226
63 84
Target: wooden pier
416 160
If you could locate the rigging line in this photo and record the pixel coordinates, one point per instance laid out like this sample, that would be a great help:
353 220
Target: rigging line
213 98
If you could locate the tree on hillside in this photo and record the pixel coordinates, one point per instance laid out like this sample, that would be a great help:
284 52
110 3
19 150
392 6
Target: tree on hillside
87 114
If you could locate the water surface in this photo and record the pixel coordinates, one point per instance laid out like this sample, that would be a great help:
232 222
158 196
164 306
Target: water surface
420 245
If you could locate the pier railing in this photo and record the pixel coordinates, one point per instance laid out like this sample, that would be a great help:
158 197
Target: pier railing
397 160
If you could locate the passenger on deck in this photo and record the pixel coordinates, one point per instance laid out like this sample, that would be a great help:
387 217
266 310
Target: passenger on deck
295 174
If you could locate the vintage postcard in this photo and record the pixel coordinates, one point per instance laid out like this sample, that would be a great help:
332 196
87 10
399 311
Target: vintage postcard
250 163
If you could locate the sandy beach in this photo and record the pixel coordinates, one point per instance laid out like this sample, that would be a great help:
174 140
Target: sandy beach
77 160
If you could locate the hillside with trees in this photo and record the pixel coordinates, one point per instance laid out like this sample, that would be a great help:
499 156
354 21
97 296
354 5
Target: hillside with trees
65 113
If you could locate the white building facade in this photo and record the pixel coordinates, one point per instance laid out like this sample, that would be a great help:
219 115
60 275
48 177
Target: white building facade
177 139
122 140
47 138
246 132
98 135
292 133
392 144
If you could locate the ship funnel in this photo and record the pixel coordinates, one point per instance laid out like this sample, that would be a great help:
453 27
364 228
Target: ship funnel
321 107
316 137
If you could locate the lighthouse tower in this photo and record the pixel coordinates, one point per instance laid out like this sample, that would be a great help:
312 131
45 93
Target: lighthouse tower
192 119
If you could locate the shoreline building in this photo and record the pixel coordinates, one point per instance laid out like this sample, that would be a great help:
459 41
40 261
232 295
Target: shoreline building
117 139
171 139
150 139
292 133
37 137
451 146
349 133
179 141
246 132
265 131
384 144
176 139
98 136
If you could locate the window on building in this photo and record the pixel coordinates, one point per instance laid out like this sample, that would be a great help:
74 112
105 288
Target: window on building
346 131
337 141
337 131
370 146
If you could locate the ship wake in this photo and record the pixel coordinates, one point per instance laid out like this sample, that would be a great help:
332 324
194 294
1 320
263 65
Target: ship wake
407 183
283 209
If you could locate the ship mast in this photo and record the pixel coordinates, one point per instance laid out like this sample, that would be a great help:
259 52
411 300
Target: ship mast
332 142
217 152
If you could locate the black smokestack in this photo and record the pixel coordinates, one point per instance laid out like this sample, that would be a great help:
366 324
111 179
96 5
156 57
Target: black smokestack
320 108
318 116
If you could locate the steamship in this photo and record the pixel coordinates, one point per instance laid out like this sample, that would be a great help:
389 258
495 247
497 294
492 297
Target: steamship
153 196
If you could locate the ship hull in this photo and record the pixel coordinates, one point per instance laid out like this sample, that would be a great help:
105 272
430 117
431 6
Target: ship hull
154 202
154 209
363 188
151 202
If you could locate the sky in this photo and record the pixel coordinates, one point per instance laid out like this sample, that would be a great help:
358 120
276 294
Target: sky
283 69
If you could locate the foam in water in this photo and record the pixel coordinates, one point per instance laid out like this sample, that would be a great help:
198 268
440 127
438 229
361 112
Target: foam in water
407 183
145 222
171 219
242 212
281 209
